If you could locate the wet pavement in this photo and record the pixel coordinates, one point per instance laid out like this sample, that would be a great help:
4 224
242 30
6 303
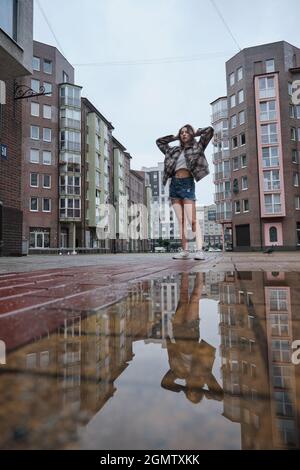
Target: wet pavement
149 357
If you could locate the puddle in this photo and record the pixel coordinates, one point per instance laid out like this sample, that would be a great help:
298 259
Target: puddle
194 361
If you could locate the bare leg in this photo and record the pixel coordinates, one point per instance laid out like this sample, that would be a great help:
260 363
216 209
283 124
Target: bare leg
190 214
177 205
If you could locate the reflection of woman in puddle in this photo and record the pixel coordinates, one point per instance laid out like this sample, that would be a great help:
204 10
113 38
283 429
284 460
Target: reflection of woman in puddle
190 359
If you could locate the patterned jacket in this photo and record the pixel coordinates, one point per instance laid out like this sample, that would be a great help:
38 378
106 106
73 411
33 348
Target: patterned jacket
194 154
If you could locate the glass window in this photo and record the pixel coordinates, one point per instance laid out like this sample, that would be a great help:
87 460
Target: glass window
292 110
269 133
267 110
246 205
271 180
242 117
47 134
241 96
48 66
47 181
242 139
35 109
233 121
232 101
234 142
296 179
34 156
36 63
231 79
46 204
240 73
273 234
272 203
297 111
294 156
47 157
35 85
34 132
270 65
297 203
270 156
293 133
48 88
8 17
34 180
244 182
266 87
237 207
65 77
47 112
298 232
236 163
243 161
34 204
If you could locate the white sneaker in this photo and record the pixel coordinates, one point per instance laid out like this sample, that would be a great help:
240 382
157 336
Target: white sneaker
199 255
182 255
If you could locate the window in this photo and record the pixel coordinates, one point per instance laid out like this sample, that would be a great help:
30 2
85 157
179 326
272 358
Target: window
298 232
34 132
246 205
242 139
48 88
233 121
270 156
269 133
232 101
39 238
47 134
244 183
243 161
270 65
271 180
237 207
297 109
292 111
266 87
231 79
8 17
235 163
34 180
34 204
294 156
35 85
46 204
290 88
273 234
47 112
267 110
35 109
34 156
47 181
242 117
297 203
296 179
272 203
298 133
65 77
47 157
240 73
36 64
241 96
48 66
234 142
293 133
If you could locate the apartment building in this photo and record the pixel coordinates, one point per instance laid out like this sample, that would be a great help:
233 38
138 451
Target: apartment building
51 149
257 143
211 230
16 43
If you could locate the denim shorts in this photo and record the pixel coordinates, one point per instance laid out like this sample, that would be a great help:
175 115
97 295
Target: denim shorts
182 188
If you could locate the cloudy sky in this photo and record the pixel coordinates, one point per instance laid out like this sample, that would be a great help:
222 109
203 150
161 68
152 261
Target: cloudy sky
151 66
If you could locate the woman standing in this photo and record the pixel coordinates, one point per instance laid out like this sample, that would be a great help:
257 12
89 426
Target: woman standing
185 164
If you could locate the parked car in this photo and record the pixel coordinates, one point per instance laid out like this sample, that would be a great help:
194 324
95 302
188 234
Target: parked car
160 249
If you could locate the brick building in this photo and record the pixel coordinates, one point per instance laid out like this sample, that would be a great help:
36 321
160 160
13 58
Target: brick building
16 29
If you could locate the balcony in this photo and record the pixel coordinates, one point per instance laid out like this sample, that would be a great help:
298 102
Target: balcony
70 123
223 217
221 196
221 155
223 114
69 146
69 101
221 175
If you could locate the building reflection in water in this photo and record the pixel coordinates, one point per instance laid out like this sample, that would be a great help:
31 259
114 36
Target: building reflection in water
53 384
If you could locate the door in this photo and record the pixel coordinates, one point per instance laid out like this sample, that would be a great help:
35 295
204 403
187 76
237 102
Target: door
242 235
